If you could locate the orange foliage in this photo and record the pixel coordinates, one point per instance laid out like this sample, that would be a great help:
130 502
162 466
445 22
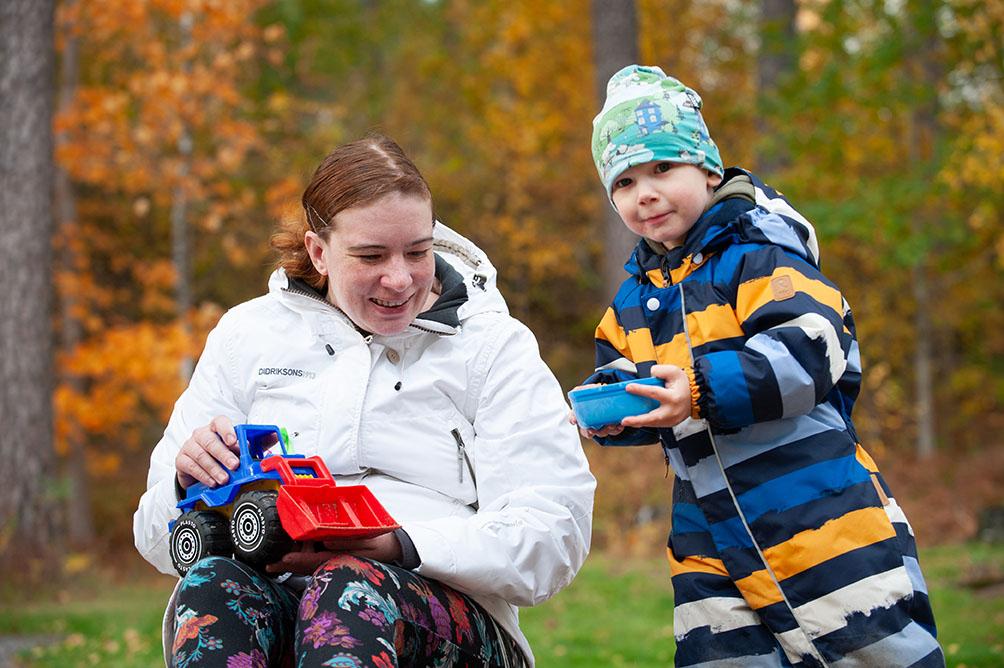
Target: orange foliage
494 100
160 110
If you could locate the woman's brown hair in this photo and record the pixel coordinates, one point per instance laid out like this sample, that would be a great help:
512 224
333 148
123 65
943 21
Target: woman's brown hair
354 174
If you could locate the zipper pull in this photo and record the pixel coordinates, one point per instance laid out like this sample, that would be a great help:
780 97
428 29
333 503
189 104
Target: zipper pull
665 456
460 453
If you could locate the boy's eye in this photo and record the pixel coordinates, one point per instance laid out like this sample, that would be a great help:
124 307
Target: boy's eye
663 167
622 183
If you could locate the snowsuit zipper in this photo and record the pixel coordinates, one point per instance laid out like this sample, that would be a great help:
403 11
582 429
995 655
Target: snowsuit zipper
735 501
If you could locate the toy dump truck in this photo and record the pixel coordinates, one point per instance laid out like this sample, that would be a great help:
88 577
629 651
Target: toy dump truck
270 502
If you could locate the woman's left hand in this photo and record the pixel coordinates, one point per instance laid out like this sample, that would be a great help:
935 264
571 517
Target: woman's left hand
384 548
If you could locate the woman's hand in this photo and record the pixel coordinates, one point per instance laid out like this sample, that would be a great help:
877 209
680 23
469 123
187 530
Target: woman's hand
204 455
309 556
673 398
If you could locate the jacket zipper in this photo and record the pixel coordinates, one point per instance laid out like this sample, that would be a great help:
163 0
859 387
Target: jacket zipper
308 295
462 459
735 501
303 293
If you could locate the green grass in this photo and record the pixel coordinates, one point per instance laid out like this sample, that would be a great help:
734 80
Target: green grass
616 613
95 623
613 614
970 620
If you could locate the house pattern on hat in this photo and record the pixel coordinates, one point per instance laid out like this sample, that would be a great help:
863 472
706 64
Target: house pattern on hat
650 116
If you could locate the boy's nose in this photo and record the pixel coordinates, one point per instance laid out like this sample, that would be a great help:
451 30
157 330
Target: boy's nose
646 193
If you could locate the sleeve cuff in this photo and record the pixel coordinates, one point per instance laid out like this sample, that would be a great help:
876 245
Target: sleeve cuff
409 554
695 393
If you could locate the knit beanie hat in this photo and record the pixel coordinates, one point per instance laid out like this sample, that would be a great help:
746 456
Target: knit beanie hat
650 116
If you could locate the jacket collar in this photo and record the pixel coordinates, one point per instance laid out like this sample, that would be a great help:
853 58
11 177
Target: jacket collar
661 266
440 318
465 274
743 210
452 296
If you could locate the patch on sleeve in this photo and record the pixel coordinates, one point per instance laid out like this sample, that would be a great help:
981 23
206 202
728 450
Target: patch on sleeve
782 288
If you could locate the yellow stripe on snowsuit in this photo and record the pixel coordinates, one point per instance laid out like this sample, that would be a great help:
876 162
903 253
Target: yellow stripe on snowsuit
608 330
674 352
866 460
677 275
759 589
715 322
813 547
712 324
640 345
756 293
655 276
695 564
810 548
635 345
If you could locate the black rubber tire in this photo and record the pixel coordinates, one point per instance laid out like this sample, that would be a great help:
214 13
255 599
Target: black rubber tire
196 535
256 531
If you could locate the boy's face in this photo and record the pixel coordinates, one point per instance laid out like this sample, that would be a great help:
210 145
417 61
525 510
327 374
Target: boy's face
662 200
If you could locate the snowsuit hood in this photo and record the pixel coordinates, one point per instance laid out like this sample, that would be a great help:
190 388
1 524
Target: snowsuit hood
742 210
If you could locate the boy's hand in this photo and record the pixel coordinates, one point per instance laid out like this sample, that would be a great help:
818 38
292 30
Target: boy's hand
609 430
674 399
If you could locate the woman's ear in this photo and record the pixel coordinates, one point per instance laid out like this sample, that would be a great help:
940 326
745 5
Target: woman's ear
316 250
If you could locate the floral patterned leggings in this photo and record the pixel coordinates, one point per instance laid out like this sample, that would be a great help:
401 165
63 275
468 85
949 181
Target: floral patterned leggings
355 612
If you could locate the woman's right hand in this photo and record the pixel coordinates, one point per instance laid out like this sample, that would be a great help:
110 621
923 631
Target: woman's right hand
208 453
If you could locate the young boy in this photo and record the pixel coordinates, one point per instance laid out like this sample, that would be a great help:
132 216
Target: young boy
787 547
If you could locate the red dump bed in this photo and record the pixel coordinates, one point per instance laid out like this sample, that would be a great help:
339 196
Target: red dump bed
312 507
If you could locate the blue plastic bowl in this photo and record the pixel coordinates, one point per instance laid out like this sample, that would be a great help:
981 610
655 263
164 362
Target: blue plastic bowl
600 406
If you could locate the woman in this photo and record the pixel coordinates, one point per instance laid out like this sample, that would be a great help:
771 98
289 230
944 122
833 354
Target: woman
384 346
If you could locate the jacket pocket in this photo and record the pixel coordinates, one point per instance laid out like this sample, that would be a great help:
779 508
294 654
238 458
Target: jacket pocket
463 461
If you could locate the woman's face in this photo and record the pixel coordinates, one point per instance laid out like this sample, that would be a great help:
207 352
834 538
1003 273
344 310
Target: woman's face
379 262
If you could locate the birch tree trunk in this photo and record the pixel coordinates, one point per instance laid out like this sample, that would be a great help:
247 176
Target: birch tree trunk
27 521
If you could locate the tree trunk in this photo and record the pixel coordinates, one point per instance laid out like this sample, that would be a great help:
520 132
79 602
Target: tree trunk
776 62
922 362
79 523
179 220
615 45
927 67
27 528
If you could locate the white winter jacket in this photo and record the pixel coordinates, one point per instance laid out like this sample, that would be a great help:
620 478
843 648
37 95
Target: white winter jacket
501 509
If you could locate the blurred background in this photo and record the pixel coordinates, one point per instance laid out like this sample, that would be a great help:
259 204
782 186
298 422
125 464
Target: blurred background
182 130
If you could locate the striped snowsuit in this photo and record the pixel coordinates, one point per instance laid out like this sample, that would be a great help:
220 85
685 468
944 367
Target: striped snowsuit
787 547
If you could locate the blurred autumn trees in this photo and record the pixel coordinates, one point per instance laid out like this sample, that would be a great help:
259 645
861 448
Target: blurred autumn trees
186 128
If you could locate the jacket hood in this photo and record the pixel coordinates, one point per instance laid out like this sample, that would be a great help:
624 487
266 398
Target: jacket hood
466 275
743 210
